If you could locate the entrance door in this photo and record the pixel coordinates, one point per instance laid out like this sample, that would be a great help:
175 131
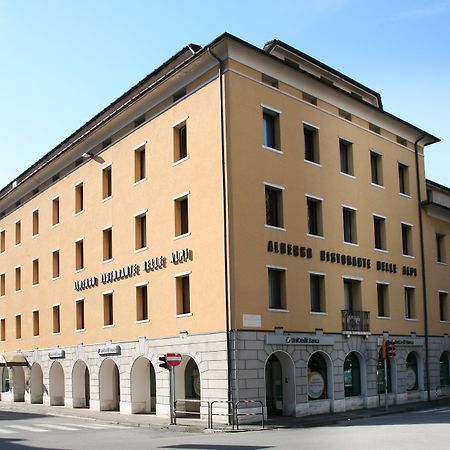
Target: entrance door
87 387
274 386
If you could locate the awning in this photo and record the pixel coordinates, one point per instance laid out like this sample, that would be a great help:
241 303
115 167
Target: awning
12 359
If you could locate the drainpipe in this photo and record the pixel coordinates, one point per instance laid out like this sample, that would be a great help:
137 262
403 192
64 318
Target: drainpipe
422 258
225 220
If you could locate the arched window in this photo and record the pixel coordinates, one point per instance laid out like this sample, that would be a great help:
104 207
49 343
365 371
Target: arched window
444 370
317 377
5 380
192 380
352 376
411 372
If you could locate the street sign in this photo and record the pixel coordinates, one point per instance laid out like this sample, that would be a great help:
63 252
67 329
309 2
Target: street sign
173 359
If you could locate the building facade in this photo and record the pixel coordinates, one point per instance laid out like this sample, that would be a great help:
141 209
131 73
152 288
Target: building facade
254 210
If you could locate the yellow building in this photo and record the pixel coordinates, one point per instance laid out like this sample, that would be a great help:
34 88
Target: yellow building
254 210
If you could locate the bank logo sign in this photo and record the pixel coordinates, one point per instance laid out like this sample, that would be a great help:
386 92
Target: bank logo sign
297 339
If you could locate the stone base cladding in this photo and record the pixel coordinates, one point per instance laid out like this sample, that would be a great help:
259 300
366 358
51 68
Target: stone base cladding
251 350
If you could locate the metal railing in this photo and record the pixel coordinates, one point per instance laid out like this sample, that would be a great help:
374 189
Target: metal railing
177 413
441 391
229 414
246 402
358 321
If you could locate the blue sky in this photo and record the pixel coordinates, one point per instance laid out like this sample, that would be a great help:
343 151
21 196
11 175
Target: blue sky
62 61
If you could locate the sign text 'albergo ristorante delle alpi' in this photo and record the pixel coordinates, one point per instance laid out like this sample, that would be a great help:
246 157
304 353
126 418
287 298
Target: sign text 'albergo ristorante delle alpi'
132 270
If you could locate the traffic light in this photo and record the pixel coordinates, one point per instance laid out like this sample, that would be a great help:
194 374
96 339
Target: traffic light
163 362
382 352
390 349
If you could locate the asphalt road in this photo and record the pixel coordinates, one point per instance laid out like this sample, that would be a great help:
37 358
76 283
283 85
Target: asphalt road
413 430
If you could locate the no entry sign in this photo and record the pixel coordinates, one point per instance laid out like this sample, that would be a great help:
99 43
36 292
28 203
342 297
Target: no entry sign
173 359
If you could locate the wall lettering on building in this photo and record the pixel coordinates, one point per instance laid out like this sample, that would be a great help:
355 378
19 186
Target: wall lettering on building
180 256
57 354
289 249
347 260
384 266
120 274
409 271
286 339
86 283
160 262
109 350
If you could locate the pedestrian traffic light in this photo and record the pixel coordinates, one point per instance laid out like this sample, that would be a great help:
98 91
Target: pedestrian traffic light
163 362
390 349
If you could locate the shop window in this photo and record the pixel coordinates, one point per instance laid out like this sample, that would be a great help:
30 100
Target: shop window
317 377
35 222
376 168
2 330
183 294
18 278
79 198
271 129
412 380
140 231
311 142
314 206
18 229
180 142
35 323
379 230
443 306
79 309
2 241
18 326
277 288
352 376
56 319
79 255
410 307
349 223
440 248
35 272
107 244
444 370
181 216
141 303
55 264
317 292
139 164
382 300
2 285
108 311
346 156
274 206
406 239
55 211
403 178
107 182
352 295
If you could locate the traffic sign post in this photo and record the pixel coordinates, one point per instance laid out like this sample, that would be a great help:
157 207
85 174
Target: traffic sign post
169 361
173 359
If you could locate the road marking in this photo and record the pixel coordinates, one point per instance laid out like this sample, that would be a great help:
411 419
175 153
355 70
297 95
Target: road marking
96 426
5 431
25 428
57 427
434 410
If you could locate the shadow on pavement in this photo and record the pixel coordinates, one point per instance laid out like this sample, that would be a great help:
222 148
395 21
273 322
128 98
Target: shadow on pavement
217 447
13 415
15 444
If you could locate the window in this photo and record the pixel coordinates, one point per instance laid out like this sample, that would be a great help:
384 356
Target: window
444 370
269 80
36 323
179 95
55 263
277 288
2 330
314 206
309 98
142 303
106 182
18 326
35 272
181 216
440 248
403 178
352 295
379 230
443 306
140 231
18 233
376 168
346 156
139 121
180 142
139 164
106 143
55 211
271 129
382 300
406 239
349 219
311 140
183 295
411 370
374 128
410 310
79 198
56 319
352 376
79 255
80 314
108 315
35 222
2 285
345 115
2 241
18 278
107 244
401 141
317 292
317 377
274 206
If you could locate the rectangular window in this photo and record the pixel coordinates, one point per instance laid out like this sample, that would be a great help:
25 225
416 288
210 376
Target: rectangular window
107 244
56 319
183 295
309 98
407 239
56 264
314 207
345 115
376 168
79 255
108 315
349 219
352 295
79 198
2 330
2 241
410 310
277 288
106 182
18 278
317 292
269 80
440 248
140 231
35 222
35 272
346 156
80 314
18 326
55 211
35 323
403 178
311 139
382 300
374 128
181 216
139 164
443 306
2 285
180 142
271 131
379 230
142 303
274 206
18 232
